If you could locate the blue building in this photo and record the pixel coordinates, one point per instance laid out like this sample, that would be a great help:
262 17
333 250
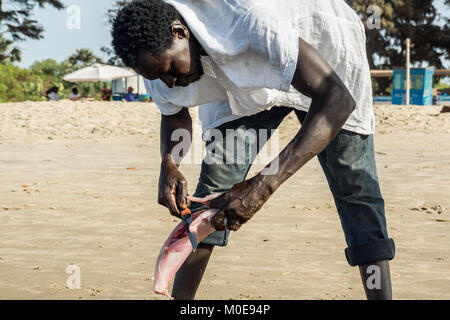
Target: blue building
120 88
421 86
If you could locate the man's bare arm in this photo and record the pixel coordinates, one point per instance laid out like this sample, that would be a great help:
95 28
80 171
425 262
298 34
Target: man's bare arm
331 106
172 184
180 120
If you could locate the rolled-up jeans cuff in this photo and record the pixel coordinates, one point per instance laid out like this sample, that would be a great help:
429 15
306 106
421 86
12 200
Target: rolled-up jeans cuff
379 250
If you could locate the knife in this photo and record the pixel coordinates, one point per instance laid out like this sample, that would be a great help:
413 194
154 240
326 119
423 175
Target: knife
186 216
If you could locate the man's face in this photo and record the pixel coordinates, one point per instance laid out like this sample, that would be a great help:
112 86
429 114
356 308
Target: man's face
179 65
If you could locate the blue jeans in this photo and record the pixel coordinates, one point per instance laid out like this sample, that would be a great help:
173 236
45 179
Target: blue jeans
349 166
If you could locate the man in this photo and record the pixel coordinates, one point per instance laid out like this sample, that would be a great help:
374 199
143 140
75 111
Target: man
106 94
130 96
248 63
51 94
75 96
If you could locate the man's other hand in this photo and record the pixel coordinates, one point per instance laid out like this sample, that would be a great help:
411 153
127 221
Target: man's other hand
240 204
172 189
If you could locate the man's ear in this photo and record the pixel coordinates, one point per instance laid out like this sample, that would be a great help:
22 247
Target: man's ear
179 30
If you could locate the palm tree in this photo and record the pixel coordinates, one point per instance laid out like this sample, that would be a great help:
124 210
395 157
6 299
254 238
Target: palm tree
8 55
83 58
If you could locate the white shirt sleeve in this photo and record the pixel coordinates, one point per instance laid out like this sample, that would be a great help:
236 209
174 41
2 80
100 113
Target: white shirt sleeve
171 100
269 51
165 107
214 108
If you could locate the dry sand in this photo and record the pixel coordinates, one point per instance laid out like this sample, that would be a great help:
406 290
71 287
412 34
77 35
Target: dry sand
67 196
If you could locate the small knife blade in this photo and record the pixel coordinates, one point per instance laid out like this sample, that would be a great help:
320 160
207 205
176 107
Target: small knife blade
186 216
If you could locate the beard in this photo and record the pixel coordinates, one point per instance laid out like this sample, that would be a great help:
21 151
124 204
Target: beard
195 75
196 56
199 72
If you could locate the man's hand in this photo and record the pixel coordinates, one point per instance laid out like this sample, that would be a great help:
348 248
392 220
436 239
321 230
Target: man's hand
240 204
172 189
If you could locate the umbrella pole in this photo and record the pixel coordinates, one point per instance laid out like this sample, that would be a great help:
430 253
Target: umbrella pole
138 80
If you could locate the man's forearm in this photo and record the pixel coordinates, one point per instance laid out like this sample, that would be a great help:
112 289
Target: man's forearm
172 184
323 122
181 120
331 106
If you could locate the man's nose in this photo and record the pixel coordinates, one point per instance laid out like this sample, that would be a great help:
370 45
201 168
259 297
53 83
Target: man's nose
169 80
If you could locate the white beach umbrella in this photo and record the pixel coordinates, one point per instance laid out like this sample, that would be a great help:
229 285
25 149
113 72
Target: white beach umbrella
98 72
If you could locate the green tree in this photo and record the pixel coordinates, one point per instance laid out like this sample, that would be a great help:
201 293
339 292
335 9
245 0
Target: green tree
16 21
8 55
113 59
48 67
18 84
418 20
83 58
112 12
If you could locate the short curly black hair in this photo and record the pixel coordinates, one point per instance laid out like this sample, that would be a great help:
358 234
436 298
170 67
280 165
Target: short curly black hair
143 24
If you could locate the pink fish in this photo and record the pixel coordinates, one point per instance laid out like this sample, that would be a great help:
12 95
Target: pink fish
177 247
204 200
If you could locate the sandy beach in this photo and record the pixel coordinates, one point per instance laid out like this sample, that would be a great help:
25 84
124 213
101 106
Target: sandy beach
79 186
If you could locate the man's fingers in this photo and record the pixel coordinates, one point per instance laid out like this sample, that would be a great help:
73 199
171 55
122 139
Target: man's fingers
234 222
188 203
219 202
235 227
218 221
173 209
181 195
222 221
172 204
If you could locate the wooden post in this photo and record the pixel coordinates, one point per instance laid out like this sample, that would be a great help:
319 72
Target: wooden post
408 45
138 85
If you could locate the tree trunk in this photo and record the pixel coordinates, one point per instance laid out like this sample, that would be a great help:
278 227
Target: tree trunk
383 84
371 49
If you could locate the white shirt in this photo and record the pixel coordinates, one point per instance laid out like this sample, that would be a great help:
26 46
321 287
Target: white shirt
252 48
52 96
207 93
72 95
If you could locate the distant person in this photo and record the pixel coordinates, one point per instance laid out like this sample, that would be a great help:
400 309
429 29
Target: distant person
130 96
106 94
75 96
51 94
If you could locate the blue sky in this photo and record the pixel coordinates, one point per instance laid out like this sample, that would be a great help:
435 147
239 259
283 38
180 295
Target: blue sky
59 41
